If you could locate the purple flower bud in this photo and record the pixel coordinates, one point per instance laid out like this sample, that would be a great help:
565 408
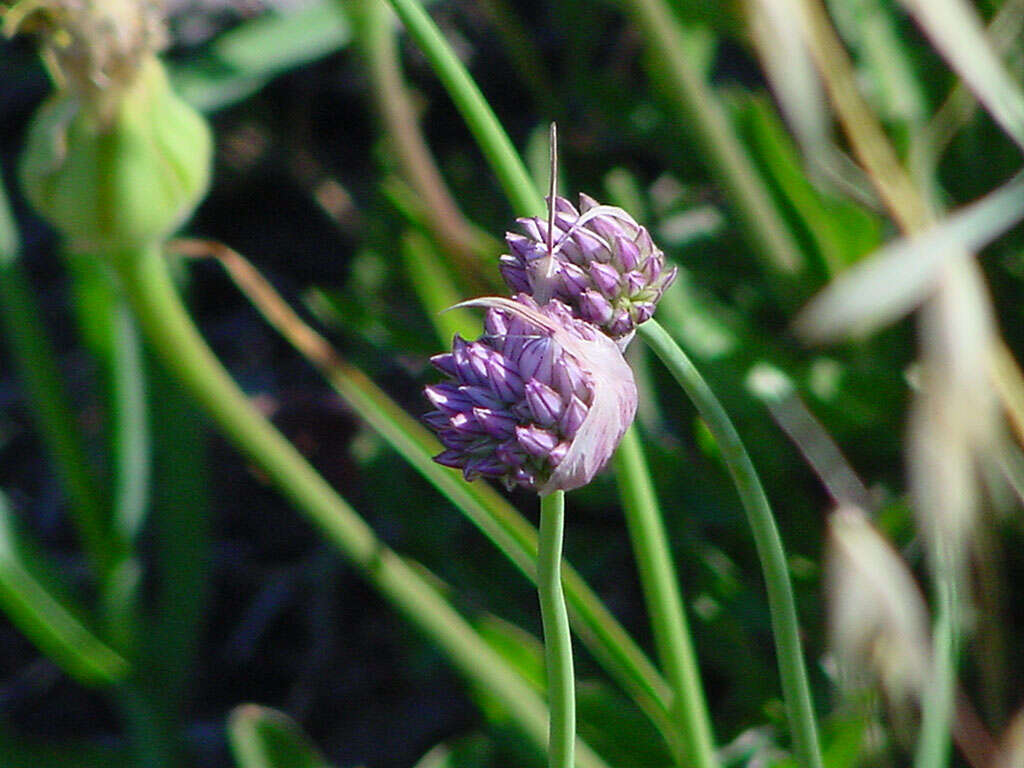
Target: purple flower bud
545 403
595 308
540 400
605 277
598 248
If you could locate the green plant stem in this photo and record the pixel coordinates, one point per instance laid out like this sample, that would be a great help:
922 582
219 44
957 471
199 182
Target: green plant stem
557 641
933 745
108 331
664 602
727 161
792 670
147 285
490 136
29 346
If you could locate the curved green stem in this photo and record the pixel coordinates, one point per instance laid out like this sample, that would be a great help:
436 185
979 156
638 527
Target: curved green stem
557 641
792 670
147 285
664 602
489 135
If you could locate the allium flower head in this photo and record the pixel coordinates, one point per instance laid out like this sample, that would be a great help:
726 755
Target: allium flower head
603 265
540 400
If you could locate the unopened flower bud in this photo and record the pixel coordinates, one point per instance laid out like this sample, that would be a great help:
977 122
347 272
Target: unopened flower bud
114 159
540 400
603 265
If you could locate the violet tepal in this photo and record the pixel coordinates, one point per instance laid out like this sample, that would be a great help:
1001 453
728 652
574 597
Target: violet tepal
603 264
540 400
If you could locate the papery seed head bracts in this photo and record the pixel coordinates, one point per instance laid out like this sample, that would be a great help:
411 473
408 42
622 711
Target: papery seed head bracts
540 400
603 265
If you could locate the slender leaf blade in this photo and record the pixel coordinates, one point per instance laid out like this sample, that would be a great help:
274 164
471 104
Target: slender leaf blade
32 599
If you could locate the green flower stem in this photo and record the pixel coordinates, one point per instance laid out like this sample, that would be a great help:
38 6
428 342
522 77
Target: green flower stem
727 161
792 670
108 331
664 603
147 285
489 134
29 346
557 641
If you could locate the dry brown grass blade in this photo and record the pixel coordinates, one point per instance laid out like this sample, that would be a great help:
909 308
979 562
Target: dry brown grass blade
1008 380
263 296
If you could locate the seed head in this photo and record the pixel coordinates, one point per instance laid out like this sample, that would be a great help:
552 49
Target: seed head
540 400
602 264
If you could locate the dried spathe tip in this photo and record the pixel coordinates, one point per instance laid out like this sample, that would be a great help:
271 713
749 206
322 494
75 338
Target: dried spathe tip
541 400
878 623
94 47
602 264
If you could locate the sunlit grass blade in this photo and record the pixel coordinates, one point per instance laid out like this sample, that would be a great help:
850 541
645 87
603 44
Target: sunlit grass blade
896 278
33 354
242 60
266 738
33 601
604 637
957 31
937 702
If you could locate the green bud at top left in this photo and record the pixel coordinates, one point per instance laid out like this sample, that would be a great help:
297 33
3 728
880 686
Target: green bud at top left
122 173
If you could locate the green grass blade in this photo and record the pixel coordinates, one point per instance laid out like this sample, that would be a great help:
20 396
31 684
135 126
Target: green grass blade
241 61
34 602
428 275
265 738
664 601
32 353
180 523
782 604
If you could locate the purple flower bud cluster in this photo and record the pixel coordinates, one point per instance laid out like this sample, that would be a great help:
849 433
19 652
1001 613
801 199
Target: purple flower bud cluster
602 264
543 397
518 397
